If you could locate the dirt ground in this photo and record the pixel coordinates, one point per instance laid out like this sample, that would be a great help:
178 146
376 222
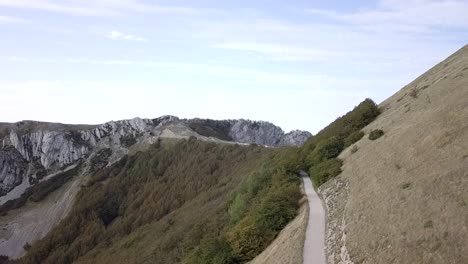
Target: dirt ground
34 221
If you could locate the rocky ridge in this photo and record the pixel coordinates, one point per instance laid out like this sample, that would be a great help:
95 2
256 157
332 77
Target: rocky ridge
36 149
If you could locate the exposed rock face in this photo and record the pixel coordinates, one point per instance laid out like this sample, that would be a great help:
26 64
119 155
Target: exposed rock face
12 169
266 133
36 149
294 138
258 132
247 131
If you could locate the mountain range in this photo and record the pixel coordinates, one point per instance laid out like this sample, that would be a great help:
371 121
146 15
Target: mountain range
392 178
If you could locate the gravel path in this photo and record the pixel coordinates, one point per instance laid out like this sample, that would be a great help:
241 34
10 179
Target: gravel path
314 245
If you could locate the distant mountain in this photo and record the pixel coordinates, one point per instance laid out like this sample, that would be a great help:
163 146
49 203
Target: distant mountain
35 149
38 158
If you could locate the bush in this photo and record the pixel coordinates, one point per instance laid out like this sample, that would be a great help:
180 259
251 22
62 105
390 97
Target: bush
326 145
323 171
248 191
375 134
327 149
26 246
331 148
39 191
277 206
414 93
289 159
354 149
4 259
128 140
211 250
353 138
342 127
264 204
100 159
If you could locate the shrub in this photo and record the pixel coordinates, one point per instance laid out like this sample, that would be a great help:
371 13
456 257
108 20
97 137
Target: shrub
4 259
326 149
289 159
42 189
326 145
26 246
247 192
128 140
354 149
275 208
264 204
323 171
428 224
375 134
342 127
331 148
100 159
211 250
39 191
405 185
320 151
414 93
353 138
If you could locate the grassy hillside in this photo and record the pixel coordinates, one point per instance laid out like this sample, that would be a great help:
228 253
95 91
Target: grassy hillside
183 201
402 197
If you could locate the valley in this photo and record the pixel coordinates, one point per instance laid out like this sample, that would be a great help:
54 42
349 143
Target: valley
390 186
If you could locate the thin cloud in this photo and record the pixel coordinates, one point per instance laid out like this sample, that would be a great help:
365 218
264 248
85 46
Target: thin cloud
117 35
10 19
102 7
18 59
279 52
244 74
409 14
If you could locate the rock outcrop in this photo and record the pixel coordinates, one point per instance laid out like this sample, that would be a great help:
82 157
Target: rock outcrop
294 138
12 168
248 131
257 132
35 149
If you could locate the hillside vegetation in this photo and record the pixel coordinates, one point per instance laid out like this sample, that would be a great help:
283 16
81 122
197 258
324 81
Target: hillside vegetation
320 152
175 203
38 192
191 201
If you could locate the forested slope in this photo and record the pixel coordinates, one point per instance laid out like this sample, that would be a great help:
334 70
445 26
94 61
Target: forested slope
177 202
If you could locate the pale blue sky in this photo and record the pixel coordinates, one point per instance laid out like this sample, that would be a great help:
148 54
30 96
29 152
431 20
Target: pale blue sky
299 64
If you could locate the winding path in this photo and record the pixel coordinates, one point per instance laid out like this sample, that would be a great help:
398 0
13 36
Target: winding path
314 245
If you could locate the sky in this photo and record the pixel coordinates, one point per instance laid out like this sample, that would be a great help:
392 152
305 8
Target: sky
298 63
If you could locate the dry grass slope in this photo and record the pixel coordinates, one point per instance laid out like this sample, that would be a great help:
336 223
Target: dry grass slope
403 197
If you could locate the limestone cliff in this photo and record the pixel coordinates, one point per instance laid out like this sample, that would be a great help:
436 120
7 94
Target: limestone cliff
32 150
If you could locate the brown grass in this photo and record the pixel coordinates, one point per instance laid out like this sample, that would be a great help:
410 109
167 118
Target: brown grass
415 211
